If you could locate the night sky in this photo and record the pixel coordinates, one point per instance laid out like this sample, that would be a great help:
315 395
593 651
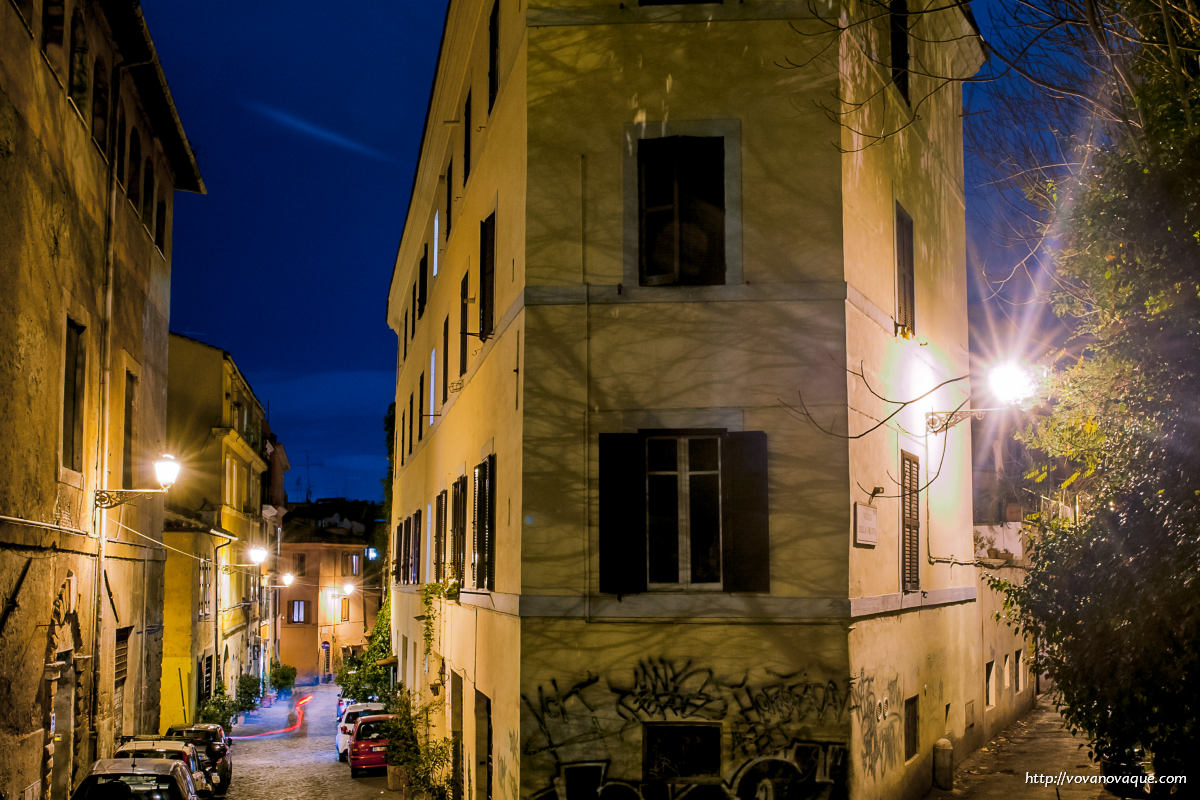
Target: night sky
306 118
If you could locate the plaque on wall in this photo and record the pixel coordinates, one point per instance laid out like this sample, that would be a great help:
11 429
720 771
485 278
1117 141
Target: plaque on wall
866 525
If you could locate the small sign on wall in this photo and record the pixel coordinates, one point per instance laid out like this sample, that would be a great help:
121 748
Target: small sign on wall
866 525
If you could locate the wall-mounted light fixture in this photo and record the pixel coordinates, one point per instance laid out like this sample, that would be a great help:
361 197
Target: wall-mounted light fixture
166 472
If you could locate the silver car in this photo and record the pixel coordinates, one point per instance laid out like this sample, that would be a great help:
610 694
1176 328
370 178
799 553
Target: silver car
172 750
345 726
137 779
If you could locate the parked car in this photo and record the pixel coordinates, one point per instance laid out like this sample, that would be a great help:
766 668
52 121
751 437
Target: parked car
368 743
213 745
345 727
172 750
344 701
143 779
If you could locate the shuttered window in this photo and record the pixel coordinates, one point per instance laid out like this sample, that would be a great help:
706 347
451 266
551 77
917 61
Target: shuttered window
910 521
684 510
458 531
898 23
906 315
121 655
74 374
397 542
415 556
484 572
487 277
439 537
422 282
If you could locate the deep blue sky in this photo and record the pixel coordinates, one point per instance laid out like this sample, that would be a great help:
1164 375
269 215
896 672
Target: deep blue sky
306 118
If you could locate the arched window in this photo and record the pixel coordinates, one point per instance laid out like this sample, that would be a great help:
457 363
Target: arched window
100 104
160 225
78 74
133 185
53 21
148 194
120 165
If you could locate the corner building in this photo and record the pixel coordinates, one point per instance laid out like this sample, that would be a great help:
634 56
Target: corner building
647 292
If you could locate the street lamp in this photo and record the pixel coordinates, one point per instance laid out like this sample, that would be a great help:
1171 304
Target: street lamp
348 588
258 554
288 579
166 471
1010 383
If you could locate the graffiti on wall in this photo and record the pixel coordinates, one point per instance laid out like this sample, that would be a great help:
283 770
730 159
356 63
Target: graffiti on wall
880 726
640 735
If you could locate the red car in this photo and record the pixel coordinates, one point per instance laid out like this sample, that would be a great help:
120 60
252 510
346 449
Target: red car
368 743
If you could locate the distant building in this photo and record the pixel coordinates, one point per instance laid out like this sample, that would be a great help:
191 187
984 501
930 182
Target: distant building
635 246
91 154
214 591
327 549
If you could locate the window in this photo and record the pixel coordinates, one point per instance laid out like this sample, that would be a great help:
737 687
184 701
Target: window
160 225
404 334
405 549
989 684
1007 672
912 727
445 359
100 104
487 276
484 567
466 138
120 146
74 379
439 537
1018 662
483 746
463 299
681 211
127 478
345 609
403 421
432 383
898 20
299 563
414 560
493 56
204 590
298 611
681 752
684 509
423 282
351 563
910 522
456 736
458 530
77 68
148 194
397 542
421 406
410 424
906 318
449 194
436 241
134 184
53 28
415 315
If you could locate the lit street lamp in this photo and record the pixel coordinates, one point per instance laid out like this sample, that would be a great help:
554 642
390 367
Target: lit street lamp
1010 383
166 471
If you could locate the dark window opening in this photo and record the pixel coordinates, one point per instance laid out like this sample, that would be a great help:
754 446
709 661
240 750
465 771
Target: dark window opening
160 225
100 105
413 332
463 301
679 751
410 424
422 282
148 194
449 194
682 509
445 359
77 72
912 727
456 736
127 477
133 182
681 211
53 28
120 147
906 316
74 374
487 276
466 138
898 19
493 54
403 420
910 518
404 334
421 407
485 524
299 563
483 746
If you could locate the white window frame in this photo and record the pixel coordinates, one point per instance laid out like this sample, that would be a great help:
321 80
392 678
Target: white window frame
683 475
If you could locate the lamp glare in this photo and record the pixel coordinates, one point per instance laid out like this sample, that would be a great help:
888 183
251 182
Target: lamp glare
348 588
258 554
288 579
166 471
1011 384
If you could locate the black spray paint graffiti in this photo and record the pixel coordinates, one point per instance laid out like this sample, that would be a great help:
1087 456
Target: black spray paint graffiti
663 689
586 726
879 723
768 714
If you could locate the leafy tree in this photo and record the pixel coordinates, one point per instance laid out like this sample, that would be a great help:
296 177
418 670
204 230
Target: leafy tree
249 690
1113 599
220 708
282 676
360 675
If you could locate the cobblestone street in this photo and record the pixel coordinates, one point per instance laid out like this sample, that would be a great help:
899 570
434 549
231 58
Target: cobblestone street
298 764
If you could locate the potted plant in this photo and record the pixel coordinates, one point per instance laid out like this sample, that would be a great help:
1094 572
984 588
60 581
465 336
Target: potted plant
417 760
283 678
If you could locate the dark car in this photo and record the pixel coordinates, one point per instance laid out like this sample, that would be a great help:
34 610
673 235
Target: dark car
143 779
213 746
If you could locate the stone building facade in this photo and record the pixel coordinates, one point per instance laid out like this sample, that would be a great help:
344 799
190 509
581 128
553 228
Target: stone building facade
91 154
669 333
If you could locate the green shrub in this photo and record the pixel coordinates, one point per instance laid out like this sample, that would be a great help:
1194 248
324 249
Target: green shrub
219 708
283 676
249 690
411 746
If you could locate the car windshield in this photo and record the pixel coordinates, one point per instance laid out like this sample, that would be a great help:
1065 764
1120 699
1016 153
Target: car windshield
352 716
127 787
141 752
371 732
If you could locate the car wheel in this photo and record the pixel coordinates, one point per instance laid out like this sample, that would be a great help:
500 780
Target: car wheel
354 772
342 756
